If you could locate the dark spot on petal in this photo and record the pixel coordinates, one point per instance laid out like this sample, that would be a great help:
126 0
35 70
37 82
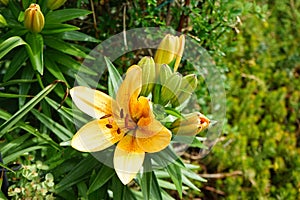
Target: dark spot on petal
108 125
118 131
121 113
105 116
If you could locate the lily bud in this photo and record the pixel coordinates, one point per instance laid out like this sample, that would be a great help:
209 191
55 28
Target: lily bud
191 125
165 73
34 19
4 2
188 86
169 50
2 21
148 74
55 4
170 88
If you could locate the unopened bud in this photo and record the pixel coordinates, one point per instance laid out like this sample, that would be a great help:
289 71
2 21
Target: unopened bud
170 88
165 73
191 125
55 4
148 74
188 86
169 50
34 19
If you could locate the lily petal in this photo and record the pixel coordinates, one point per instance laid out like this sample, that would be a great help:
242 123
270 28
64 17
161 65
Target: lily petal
154 137
97 135
130 88
93 102
128 159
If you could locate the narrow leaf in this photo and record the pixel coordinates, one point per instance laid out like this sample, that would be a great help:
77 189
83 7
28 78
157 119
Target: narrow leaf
77 36
12 42
16 63
146 178
26 108
65 15
78 173
50 29
114 75
104 174
36 43
60 131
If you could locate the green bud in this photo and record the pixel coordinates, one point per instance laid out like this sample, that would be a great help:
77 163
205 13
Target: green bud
188 86
191 125
55 4
2 21
148 74
165 73
34 19
170 88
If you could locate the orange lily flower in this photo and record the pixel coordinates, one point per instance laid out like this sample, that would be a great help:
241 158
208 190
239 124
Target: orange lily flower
127 120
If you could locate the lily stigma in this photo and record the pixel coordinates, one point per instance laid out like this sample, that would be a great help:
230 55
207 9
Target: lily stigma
127 121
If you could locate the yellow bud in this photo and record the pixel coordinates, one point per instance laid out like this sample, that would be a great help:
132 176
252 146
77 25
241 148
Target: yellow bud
148 74
55 4
34 19
170 49
191 125
4 2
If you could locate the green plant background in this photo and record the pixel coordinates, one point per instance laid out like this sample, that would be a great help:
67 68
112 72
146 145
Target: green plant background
255 44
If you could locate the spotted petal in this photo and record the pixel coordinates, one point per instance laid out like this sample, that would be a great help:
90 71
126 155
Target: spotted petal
153 137
97 135
93 102
128 159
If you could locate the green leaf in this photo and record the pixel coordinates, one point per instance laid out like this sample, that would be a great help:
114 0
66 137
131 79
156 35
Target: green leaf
4 115
7 95
155 188
15 155
63 15
120 191
193 175
36 43
176 176
104 174
60 131
17 81
2 196
50 29
14 143
187 182
77 36
65 47
114 75
146 179
82 189
167 156
77 174
26 108
69 114
27 74
173 112
12 42
16 63
3 166
54 70
197 143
